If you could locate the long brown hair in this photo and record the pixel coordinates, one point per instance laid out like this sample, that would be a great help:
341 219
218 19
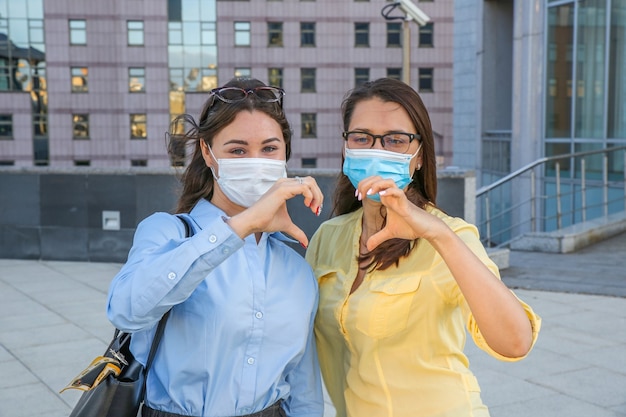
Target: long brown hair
197 179
422 190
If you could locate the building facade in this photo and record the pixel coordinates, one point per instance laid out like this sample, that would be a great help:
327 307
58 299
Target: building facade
92 83
538 78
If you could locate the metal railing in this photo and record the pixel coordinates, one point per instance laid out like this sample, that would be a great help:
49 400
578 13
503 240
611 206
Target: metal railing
539 197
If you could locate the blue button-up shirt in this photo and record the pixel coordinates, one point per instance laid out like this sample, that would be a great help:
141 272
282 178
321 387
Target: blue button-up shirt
240 332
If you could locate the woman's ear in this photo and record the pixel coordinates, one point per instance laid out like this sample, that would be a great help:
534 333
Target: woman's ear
418 160
206 154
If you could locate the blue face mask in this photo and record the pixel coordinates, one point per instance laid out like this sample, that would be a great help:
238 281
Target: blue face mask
362 163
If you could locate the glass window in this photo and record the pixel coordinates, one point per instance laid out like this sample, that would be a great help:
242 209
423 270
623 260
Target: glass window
135 32
78 32
138 163
362 34
174 10
82 162
395 73
394 34
361 76
275 34
175 33
590 69
6 126
275 77
308 123
136 80
560 38
208 33
80 126
617 72
426 80
307 80
242 34
309 162
41 151
427 35
307 33
138 126
243 72
80 76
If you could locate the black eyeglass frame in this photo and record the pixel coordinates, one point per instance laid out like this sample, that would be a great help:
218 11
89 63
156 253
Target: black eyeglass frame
411 136
278 94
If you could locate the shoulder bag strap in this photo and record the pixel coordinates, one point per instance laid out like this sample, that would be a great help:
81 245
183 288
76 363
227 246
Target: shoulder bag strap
161 327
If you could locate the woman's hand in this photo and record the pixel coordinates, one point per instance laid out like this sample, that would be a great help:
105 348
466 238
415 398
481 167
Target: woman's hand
404 219
269 214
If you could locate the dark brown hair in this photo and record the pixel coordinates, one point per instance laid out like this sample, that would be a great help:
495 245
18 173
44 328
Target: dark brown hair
423 187
197 179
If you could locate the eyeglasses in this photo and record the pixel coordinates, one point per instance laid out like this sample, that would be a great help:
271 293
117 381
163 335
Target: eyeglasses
236 94
394 142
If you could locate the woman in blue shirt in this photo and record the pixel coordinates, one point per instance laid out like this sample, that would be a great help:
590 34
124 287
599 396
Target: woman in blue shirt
239 337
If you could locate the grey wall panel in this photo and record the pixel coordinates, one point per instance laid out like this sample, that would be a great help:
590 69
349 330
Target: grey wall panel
19 199
63 200
64 243
19 242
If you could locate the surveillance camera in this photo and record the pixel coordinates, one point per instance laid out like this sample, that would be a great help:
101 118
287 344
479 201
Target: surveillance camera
414 12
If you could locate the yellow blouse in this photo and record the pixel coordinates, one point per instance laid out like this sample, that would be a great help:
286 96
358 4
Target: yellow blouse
394 347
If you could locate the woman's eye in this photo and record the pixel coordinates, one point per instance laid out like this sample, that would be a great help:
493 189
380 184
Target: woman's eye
237 151
270 149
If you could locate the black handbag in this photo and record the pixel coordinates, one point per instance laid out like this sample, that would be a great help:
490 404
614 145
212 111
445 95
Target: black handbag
116 395
115 382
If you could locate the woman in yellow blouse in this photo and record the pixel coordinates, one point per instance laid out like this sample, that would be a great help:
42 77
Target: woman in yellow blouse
400 280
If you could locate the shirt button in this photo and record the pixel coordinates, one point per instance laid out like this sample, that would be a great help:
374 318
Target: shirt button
225 251
212 238
258 315
250 361
171 275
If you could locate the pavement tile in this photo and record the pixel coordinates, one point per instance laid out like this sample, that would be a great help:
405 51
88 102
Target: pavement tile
53 323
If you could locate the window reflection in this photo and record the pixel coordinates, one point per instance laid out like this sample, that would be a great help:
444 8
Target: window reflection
559 69
138 126
80 126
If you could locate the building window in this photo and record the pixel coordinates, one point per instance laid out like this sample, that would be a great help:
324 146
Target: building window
426 80
208 33
7 163
307 33
308 122
395 73
362 34
394 35
275 77
361 76
138 126
80 126
80 76
136 80
82 162
307 80
243 72
427 35
6 126
78 32
242 34
309 162
135 32
274 34
138 163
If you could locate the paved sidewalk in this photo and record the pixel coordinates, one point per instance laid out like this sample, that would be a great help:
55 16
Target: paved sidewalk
52 324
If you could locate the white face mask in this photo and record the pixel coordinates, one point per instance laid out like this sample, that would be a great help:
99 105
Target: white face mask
245 180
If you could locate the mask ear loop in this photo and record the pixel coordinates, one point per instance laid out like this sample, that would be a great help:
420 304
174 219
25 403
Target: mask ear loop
214 159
